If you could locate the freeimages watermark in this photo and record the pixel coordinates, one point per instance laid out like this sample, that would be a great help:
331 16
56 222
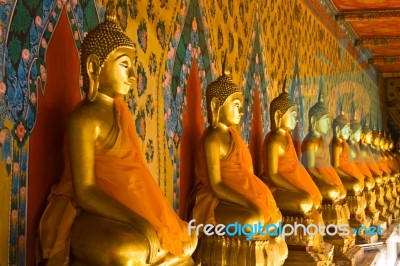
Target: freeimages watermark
251 230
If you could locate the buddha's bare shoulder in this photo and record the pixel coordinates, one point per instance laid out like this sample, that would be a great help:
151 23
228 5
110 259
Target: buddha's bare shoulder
276 137
312 141
89 116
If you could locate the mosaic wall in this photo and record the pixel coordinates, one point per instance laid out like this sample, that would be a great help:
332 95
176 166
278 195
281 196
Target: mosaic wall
264 41
392 89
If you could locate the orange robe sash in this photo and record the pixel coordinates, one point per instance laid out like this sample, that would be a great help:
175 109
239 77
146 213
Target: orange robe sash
347 166
122 173
290 168
235 173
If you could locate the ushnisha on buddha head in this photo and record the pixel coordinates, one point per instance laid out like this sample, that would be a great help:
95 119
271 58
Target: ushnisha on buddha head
103 42
224 101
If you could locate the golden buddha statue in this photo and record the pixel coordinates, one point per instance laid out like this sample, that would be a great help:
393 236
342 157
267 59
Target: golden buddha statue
295 192
351 176
389 158
107 208
379 176
227 190
316 158
388 174
369 181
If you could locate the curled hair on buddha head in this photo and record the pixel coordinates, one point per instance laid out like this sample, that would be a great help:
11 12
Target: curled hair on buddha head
282 102
221 89
340 121
318 110
102 41
366 128
354 123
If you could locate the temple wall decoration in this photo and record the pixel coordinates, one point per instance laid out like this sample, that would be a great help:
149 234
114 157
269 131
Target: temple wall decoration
392 97
264 41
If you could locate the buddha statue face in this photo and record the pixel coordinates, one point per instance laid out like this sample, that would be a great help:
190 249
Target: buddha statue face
224 102
355 131
116 75
367 138
289 119
322 125
283 112
341 127
232 110
376 139
356 136
344 132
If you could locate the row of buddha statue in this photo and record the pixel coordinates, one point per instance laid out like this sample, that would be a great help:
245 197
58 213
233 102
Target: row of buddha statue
108 210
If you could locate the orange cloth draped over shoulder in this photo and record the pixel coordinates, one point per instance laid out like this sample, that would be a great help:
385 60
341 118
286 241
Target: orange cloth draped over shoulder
392 163
122 173
370 162
347 166
236 172
360 163
324 166
381 162
290 168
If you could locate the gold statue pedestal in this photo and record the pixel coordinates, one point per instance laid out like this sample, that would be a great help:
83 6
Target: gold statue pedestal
391 202
382 206
345 252
237 251
304 248
359 219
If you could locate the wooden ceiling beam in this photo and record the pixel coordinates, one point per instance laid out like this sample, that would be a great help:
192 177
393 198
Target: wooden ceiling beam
391 75
368 15
384 60
378 41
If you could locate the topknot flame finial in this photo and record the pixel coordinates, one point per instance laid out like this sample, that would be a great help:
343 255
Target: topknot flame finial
111 12
320 96
284 84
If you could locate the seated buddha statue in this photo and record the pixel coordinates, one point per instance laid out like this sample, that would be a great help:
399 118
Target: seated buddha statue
351 176
227 190
316 157
107 208
295 192
392 164
369 181
379 176
293 188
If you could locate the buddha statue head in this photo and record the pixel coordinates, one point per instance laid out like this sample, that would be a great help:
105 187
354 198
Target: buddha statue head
366 136
376 139
283 112
341 127
224 102
319 117
105 55
355 130
391 144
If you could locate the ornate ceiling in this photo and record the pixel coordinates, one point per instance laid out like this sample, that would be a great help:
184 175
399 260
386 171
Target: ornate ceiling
376 25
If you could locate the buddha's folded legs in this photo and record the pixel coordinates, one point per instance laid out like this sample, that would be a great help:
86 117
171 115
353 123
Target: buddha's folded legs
99 241
300 202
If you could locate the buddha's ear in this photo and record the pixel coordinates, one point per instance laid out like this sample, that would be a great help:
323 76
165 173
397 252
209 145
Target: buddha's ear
93 71
337 131
313 122
278 116
215 107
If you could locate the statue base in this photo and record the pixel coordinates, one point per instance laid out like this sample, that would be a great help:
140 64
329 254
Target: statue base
237 251
306 248
301 255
